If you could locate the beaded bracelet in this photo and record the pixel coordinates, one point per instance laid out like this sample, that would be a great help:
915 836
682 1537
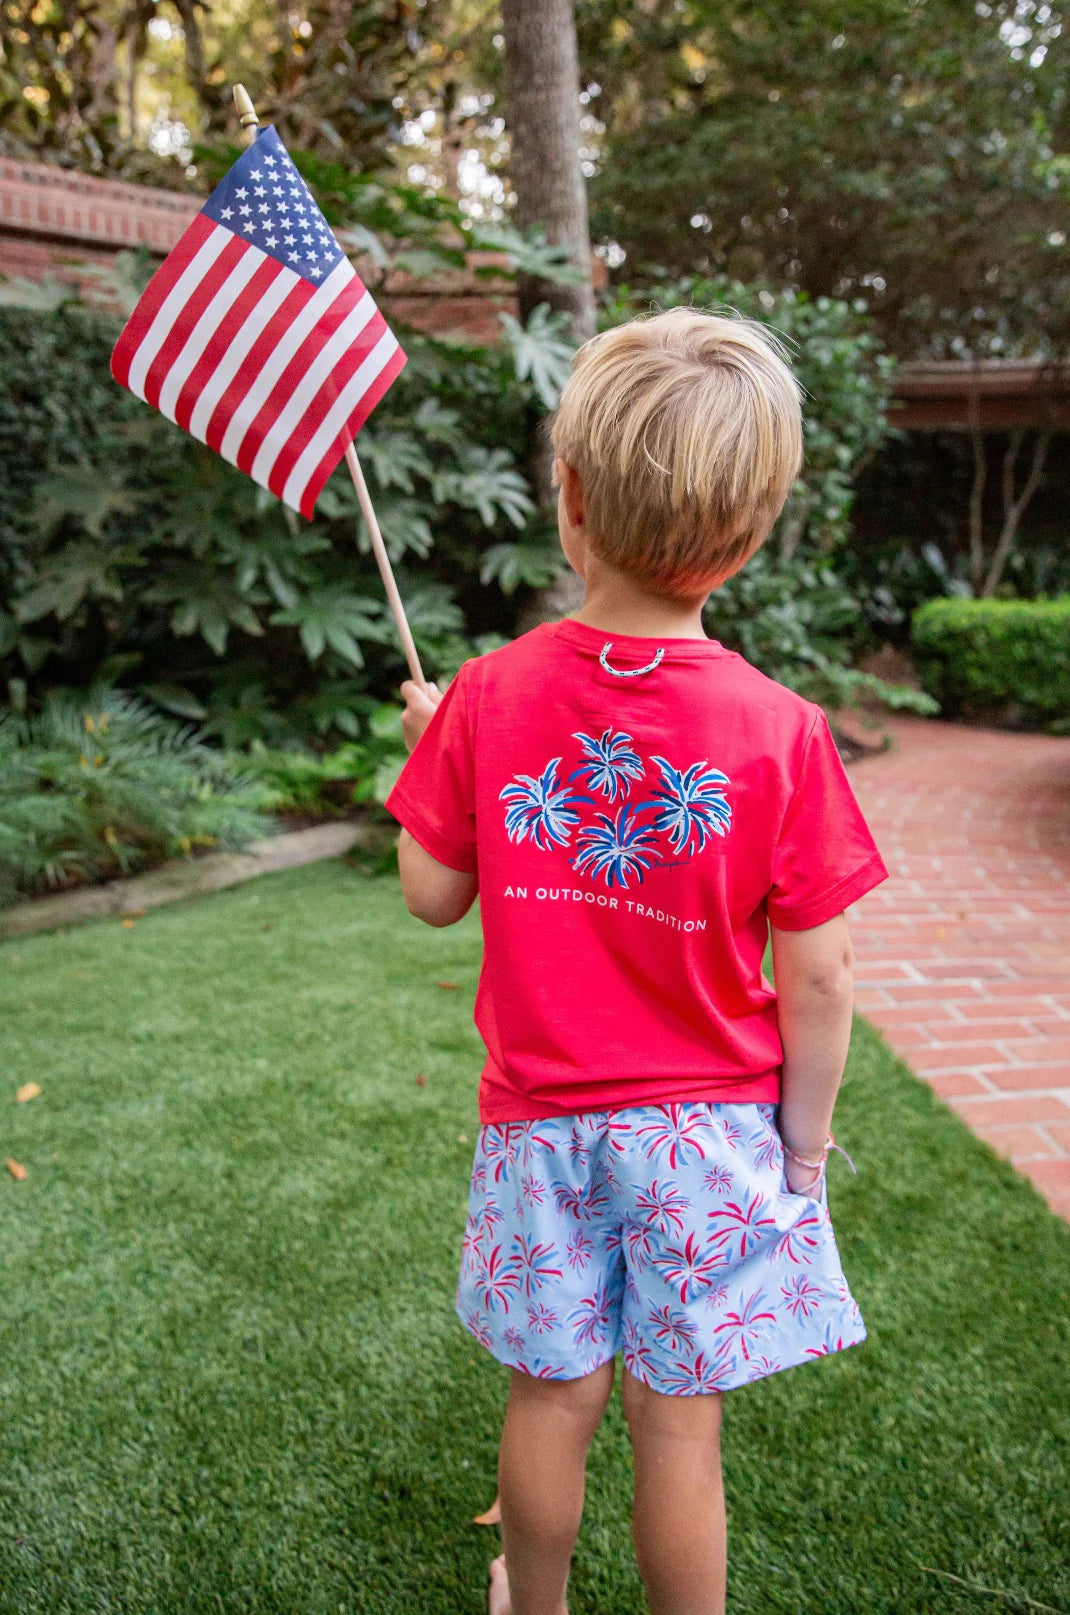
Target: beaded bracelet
819 1166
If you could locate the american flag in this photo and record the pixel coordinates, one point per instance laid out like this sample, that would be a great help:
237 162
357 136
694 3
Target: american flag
257 336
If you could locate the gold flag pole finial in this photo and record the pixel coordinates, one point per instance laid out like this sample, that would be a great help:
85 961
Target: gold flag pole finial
246 112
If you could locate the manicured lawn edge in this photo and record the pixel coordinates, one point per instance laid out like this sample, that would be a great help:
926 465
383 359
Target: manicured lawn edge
183 878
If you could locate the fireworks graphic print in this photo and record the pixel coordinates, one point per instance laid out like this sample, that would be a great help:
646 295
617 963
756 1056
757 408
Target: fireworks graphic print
670 1234
682 814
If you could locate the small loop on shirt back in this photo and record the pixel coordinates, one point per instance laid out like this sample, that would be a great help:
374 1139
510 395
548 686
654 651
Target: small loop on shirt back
627 672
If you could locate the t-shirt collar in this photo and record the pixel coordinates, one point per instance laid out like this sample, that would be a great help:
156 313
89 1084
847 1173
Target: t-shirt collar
627 646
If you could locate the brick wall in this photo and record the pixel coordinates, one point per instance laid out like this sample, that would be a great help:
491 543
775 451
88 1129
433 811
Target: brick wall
53 220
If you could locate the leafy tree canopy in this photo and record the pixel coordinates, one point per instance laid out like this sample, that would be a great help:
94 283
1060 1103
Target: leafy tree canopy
914 152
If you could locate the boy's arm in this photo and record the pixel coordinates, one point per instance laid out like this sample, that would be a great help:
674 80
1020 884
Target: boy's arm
813 976
432 892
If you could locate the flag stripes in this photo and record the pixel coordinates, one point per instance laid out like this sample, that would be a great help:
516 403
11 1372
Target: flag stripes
272 368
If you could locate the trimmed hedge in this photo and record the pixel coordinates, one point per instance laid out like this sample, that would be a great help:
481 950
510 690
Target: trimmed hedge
1005 656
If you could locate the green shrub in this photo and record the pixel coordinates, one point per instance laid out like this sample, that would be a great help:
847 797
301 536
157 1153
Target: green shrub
1005 657
799 622
329 784
97 786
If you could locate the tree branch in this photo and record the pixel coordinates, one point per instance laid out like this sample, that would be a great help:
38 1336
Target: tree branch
1013 508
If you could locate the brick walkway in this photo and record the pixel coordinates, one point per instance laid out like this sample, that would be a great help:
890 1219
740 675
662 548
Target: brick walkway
963 956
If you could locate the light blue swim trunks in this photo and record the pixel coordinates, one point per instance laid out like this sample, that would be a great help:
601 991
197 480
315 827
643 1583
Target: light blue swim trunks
664 1231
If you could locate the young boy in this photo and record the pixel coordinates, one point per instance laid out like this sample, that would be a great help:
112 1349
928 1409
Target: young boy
636 807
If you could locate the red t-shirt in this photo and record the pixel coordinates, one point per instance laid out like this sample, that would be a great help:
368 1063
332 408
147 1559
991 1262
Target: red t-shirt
633 836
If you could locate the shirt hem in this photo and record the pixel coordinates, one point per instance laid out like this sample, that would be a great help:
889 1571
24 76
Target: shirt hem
761 1090
833 902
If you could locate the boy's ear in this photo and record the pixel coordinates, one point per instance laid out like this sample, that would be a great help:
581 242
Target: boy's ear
568 480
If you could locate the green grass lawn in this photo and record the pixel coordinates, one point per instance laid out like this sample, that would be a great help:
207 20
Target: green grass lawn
230 1376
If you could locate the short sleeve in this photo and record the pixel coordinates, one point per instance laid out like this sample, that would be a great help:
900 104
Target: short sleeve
434 798
825 857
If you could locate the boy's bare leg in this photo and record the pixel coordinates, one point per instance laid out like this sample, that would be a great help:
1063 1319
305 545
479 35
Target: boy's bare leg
541 1471
678 1518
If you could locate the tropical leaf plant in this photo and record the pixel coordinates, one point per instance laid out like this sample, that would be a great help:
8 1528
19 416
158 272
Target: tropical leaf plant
102 784
542 351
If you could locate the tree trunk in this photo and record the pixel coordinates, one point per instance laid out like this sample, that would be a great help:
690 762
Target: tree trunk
542 112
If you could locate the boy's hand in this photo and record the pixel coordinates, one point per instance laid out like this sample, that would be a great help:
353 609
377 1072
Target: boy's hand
419 710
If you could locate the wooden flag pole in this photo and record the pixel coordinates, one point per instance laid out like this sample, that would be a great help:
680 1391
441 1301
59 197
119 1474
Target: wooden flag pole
250 123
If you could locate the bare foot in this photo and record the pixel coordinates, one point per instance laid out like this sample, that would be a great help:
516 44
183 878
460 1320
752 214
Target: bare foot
499 1587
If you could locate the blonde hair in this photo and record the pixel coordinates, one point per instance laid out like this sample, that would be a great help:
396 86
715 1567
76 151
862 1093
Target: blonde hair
686 432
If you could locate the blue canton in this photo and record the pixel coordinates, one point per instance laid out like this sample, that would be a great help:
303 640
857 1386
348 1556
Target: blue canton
264 200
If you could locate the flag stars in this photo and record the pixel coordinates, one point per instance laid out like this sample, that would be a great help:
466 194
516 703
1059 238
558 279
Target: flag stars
226 213
291 241
294 257
254 173
258 190
315 271
270 161
307 239
245 208
240 194
271 241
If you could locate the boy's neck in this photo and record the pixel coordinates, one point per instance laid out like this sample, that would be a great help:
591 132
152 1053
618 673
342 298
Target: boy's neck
615 605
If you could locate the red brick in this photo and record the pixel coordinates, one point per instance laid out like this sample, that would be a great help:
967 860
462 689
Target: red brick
1034 971
965 970
1046 1049
1012 1112
907 1037
1051 1175
1016 1077
931 993
980 1010
870 998
957 1032
959 1057
911 1015
870 970
972 933
954 1084
1008 989
1060 1132
1016 1143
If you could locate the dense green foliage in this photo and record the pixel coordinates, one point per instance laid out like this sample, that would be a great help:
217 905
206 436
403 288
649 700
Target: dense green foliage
124 86
913 154
129 553
328 784
799 622
99 787
127 550
232 1382
1003 657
